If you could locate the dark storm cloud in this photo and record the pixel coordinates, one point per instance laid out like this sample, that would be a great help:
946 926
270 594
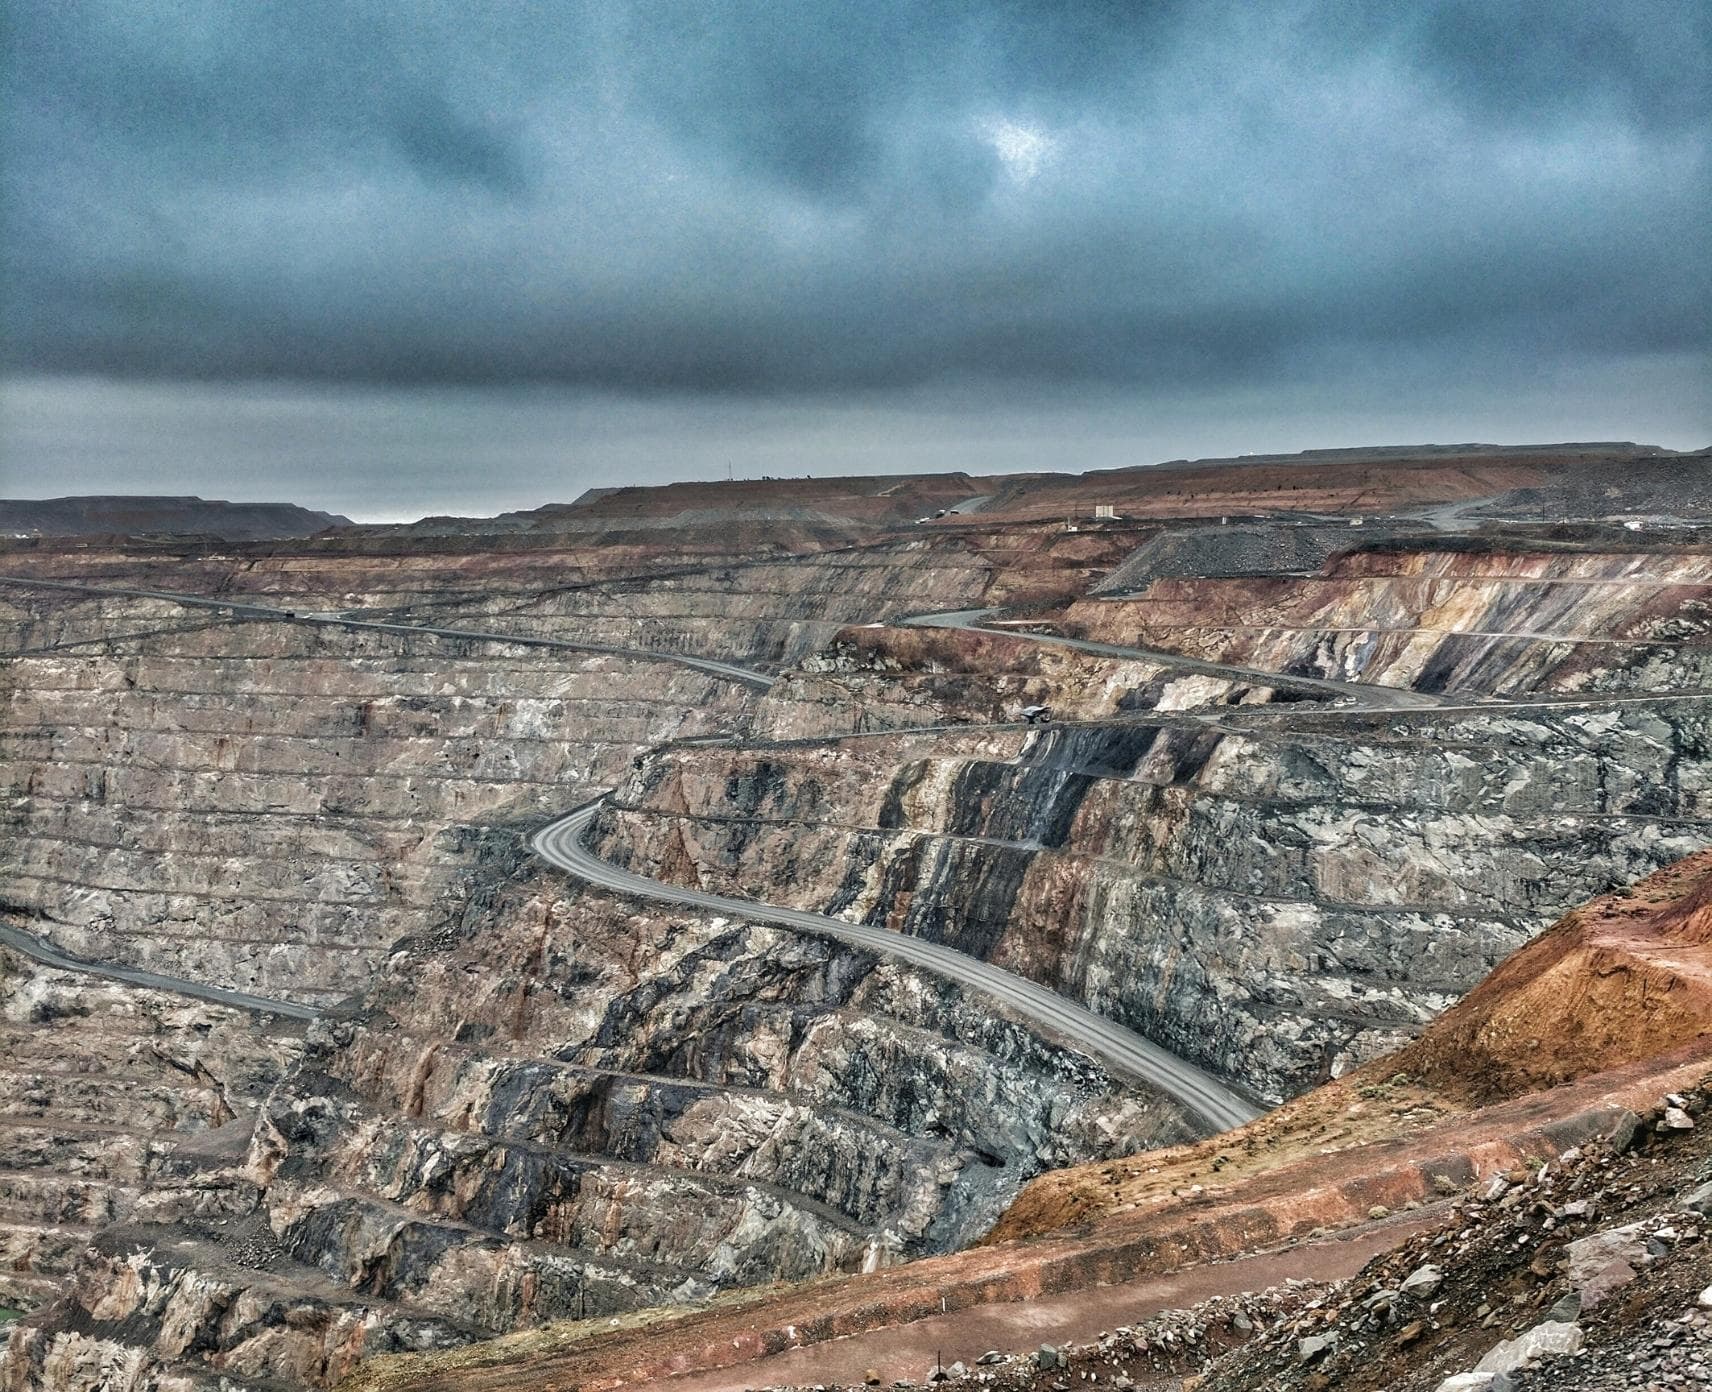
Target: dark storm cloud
772 198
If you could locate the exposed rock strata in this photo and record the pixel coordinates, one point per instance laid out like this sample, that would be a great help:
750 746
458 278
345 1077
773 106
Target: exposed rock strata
267 806
778 611
1275 902
104 1090
1464 620
872 679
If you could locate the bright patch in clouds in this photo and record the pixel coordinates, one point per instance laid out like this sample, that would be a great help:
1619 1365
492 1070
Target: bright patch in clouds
1024 149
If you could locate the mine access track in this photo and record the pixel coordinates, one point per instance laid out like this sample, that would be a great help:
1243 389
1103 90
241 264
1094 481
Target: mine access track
49 955
564 843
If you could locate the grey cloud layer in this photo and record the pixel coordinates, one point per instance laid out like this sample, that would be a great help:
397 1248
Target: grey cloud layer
772 198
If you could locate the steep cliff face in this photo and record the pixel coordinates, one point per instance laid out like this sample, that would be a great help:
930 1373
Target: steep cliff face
1275 901
1474 621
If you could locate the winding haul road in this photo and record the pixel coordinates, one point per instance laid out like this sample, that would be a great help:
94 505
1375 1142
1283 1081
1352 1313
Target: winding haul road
563 843
1370 694
49 955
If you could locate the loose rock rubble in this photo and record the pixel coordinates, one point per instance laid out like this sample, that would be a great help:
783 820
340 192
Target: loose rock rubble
1583 1272
1591 1271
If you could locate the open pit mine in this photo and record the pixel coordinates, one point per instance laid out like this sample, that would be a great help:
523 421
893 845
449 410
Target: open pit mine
1235 925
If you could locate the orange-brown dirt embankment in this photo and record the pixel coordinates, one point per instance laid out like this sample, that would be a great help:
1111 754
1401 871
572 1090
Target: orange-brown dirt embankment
1624 978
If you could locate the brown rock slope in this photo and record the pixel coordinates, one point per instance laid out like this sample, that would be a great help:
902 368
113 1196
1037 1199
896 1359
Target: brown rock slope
1627 978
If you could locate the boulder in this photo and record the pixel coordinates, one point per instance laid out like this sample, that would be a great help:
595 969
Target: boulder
1605 1262
1315 1347
1625 1132
1700 1201
1423 1282
1548 1340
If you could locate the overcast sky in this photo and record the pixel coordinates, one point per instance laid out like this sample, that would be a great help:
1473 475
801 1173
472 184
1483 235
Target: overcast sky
395 258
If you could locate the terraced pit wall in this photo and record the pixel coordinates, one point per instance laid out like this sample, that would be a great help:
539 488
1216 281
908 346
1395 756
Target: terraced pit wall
552 1103
267 805
1277 902
1479 621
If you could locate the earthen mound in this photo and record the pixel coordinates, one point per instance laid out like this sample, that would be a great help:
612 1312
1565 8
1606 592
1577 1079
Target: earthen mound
1625 978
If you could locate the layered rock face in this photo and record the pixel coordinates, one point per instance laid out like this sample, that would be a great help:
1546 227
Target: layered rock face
1276 898
1479 621
546 1103
107 1094
267 805
777 611
555 1104
874 679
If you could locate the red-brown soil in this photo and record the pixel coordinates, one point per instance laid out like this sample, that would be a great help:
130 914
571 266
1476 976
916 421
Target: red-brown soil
1625 978
1072 1317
